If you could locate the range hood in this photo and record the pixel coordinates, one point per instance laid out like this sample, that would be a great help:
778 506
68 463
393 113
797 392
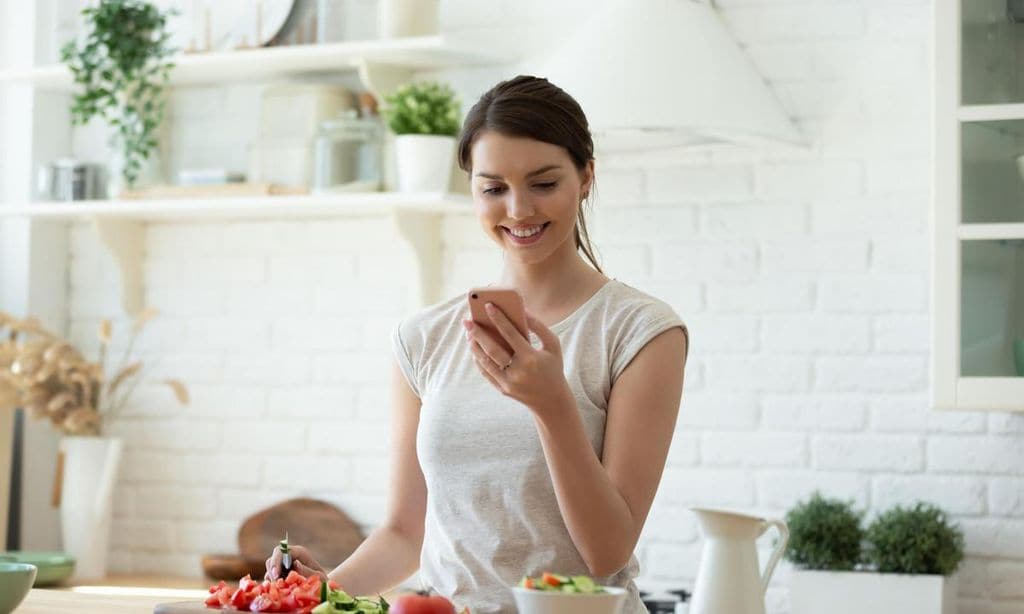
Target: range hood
665 73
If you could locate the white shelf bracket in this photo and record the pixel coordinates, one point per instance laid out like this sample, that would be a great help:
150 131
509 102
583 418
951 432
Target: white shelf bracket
421 230
126 241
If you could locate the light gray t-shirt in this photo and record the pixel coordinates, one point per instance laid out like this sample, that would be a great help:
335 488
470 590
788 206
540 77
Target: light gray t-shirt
492 516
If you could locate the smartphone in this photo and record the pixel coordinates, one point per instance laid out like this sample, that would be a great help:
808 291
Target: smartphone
508 300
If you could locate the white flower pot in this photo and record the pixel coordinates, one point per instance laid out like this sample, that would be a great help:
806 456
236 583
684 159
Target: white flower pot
860 592
90 473
423 162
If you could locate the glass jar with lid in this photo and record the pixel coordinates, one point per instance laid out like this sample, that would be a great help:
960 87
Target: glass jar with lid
348 154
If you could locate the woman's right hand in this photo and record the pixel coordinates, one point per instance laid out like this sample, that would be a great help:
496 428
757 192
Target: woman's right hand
302 562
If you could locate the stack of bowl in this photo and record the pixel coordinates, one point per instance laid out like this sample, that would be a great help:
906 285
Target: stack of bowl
53 567
15 581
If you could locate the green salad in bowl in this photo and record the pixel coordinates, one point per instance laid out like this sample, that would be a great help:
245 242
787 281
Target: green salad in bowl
551 593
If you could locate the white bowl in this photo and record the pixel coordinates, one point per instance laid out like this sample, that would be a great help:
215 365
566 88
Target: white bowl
531 601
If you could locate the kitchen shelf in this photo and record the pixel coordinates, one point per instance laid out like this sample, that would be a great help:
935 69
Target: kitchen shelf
120 224
251 207
990 112
989 232
370 56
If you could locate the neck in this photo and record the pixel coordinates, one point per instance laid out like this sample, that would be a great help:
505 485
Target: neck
555 279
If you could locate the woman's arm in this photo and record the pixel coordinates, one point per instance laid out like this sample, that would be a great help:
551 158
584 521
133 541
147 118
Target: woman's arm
605 502
391 553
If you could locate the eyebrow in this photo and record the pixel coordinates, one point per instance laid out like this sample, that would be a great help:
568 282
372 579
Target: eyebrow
540 170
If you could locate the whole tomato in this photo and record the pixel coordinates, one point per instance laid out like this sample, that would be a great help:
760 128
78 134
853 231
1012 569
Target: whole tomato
421 603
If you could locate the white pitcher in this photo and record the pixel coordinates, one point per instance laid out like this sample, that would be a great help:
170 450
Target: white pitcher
729 581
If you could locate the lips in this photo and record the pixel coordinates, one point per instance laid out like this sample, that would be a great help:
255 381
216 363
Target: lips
526 240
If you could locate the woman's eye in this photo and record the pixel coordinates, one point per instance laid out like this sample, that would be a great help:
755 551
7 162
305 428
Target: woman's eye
492 190
547 186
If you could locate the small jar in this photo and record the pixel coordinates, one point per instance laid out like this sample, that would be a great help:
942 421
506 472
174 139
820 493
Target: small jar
347 154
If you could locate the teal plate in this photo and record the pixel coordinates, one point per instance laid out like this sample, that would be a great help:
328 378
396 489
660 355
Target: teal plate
53 566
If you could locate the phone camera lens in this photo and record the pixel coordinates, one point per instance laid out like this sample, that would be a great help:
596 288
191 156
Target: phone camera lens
474 295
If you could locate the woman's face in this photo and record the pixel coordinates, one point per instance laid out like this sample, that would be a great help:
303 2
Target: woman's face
523 186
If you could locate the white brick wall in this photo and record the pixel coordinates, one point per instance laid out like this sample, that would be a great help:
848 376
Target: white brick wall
803 276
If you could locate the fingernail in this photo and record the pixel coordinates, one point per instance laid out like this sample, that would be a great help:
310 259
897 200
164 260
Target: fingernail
489 306
468 324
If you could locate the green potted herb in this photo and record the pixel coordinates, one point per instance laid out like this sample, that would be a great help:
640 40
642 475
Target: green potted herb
121 68
901 564
425 119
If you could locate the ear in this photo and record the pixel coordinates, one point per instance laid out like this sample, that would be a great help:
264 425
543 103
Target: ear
587 183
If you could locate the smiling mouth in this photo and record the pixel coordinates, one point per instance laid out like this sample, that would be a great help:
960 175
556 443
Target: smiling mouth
526 239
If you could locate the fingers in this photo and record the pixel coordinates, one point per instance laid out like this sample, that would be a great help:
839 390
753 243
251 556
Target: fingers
302 562
547 338
484 363
274 564
301 556
301 553
488 367
488 345
306 571
507 329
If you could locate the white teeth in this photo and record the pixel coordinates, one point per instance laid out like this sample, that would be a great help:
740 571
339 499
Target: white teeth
526 233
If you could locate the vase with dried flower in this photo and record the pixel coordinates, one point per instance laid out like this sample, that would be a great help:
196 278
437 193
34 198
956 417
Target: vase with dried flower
52 380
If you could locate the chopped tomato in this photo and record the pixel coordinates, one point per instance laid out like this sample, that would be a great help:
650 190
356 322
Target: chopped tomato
550 579
293 593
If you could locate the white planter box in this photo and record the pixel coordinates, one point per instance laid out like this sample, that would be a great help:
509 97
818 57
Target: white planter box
862 592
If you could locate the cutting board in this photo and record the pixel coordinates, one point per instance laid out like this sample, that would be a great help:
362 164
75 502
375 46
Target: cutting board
192 607
326 531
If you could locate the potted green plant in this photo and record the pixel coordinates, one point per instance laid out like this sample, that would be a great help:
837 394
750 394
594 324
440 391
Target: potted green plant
901 564
121 68
425 119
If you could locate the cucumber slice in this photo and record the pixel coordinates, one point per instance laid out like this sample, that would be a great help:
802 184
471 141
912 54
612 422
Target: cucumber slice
585 584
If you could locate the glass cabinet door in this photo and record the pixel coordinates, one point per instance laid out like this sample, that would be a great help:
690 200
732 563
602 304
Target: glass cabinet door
977 322
992 308
992 172
992 51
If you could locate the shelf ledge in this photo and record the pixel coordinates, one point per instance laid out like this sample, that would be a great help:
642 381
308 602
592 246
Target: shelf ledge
990 112
249 207
218 67
990 232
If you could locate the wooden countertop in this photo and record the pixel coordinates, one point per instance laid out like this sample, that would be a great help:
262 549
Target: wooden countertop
116 595
113 595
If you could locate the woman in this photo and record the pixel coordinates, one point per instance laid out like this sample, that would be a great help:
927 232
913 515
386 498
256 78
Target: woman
546 458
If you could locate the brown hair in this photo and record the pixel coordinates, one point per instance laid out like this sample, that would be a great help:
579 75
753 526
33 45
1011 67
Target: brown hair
533 107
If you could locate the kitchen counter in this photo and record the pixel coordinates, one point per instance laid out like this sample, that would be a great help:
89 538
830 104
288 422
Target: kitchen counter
118 595
114 595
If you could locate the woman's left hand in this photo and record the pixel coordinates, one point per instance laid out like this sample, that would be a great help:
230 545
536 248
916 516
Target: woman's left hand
534 376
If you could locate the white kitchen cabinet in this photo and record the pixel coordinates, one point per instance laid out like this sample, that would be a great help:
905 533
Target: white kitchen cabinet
978 218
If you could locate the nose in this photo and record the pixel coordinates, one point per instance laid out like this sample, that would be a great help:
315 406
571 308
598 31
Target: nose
519 206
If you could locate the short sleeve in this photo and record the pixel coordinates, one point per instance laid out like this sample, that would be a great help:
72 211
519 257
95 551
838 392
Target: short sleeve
404 359
639 327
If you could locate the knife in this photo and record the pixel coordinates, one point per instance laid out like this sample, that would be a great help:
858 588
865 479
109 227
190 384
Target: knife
286 557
